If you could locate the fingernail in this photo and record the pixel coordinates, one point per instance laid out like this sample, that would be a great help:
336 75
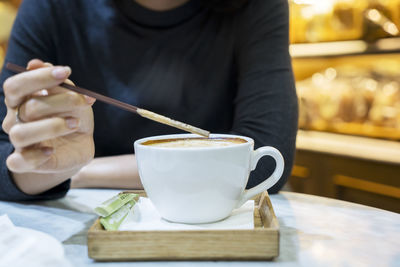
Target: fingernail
72 123
61 72
47 150
90 100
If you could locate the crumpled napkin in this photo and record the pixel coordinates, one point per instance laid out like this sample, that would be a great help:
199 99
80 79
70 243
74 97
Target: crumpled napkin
22 247
144 216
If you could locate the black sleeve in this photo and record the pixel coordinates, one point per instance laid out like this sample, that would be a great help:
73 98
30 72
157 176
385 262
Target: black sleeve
31 37
266 103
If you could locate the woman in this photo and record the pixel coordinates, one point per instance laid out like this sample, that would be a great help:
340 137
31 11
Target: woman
220 65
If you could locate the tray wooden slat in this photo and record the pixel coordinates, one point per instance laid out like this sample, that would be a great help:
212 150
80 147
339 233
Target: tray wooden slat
260 243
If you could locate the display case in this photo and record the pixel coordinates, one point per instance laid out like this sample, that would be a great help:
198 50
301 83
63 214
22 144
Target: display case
356 93
346 62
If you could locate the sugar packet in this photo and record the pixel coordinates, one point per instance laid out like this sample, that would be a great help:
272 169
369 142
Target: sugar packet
113 204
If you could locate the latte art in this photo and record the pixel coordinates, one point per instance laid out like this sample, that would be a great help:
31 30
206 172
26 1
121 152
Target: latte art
195 142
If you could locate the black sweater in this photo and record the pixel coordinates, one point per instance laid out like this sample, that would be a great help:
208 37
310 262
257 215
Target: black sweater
223 72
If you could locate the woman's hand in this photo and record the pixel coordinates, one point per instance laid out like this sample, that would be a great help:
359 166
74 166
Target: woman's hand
56 133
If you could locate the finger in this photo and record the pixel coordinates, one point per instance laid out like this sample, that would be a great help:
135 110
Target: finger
58 90
54 90
35 64
42 92
26 134
90 100
28 159
9 120
45 106
17 87
85 116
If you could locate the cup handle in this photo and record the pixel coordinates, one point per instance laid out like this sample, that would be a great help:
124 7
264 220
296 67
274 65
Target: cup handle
270 181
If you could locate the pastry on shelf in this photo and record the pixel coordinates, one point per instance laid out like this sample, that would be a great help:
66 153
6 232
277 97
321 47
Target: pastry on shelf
338 20
352 96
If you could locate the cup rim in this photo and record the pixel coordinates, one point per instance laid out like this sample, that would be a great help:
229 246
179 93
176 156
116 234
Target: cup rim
138 143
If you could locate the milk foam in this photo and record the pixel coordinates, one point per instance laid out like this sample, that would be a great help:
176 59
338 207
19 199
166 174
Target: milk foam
198 143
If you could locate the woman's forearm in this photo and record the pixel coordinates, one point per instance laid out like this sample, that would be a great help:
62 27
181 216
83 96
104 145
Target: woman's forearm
37 183
109 172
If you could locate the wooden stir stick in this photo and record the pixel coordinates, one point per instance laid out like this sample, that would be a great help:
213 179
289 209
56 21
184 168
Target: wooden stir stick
142 112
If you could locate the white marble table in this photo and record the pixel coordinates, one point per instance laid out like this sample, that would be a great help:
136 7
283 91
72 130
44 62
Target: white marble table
315 231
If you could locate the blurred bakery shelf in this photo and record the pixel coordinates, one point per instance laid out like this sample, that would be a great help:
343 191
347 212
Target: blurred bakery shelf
346 61
358 169
366 130
304 67
365 148
8 12
345 48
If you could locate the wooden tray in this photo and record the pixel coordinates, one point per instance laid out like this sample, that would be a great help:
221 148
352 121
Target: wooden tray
260 243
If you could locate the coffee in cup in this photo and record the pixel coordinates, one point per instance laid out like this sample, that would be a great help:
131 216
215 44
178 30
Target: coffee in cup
195 142
200 180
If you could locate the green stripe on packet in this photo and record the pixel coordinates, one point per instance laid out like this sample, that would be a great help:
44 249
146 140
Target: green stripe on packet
113 221
113 204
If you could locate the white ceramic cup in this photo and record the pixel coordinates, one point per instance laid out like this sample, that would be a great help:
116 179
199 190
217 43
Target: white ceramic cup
201 184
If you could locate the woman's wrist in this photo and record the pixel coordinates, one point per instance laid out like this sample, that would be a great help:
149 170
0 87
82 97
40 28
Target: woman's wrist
80 180
109 172
37 183
76 181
